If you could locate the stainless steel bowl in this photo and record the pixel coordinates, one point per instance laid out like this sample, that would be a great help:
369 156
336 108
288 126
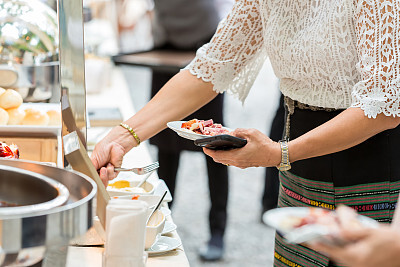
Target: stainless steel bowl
30 191
29 48
29 237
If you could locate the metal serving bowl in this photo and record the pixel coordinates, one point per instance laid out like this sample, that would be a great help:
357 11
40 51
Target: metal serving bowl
28 237
31 192
29 49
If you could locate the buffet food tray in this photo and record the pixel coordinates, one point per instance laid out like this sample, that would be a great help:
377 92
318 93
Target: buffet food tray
29 130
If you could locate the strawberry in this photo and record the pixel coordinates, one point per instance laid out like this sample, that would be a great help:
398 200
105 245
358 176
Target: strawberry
6 151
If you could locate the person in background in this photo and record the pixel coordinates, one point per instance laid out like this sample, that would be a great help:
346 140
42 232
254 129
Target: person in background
179 25
271 182
338 66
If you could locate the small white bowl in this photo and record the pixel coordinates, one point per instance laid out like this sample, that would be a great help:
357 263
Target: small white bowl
131 190
154 228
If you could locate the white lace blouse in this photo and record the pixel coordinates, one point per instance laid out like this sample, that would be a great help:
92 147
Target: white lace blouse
327 53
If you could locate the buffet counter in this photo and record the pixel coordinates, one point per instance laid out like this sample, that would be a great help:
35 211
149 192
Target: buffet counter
87 251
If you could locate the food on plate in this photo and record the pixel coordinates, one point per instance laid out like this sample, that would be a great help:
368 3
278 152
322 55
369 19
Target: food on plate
334 220
35 117
134 197
2 90
207 127
4 117
9 151
16 115
125 186
306 224
54 117
120 184
10 99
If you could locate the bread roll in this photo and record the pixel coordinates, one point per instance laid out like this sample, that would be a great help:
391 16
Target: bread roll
16 115
10 99
55 117
2 90
3 117
35 117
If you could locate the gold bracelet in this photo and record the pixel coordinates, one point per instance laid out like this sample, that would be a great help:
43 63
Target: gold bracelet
129 128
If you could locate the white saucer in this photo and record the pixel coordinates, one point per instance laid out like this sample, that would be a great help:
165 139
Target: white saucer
168 227
163 245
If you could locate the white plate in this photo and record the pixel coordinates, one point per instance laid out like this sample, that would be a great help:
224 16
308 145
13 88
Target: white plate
168 227
185 133
33 129
280 220
129 191
163 245
159 188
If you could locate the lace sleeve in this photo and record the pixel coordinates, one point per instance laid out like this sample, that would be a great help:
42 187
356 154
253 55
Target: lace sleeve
378 42
235 55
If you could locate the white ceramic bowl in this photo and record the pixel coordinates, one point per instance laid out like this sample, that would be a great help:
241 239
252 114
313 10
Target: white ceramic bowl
154 229
130 190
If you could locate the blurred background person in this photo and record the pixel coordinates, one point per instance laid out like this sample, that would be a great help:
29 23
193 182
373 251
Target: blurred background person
271 183
182 26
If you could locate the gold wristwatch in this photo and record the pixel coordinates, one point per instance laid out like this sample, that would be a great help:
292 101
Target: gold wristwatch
285 164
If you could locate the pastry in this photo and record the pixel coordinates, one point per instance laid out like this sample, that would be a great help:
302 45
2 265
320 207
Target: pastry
16 115
3 117
55 117
10 99
35 117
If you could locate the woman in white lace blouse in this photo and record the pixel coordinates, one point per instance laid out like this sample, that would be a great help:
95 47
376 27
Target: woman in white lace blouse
339 70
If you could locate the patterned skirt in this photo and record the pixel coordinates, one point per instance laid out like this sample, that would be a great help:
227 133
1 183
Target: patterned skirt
365 177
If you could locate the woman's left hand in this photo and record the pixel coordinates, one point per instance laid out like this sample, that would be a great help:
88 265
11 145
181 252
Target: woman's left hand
260 151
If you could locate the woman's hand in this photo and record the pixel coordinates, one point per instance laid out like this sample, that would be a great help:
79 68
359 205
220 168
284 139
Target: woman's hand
367 248
188 92
109 152
260 151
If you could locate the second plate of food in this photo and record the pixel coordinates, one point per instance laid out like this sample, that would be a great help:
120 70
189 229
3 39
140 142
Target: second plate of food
303 224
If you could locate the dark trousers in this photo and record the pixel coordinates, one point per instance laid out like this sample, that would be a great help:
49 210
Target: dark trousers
170 146
217 184
271 185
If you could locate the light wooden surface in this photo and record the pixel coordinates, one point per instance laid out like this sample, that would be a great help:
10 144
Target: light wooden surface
117 95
